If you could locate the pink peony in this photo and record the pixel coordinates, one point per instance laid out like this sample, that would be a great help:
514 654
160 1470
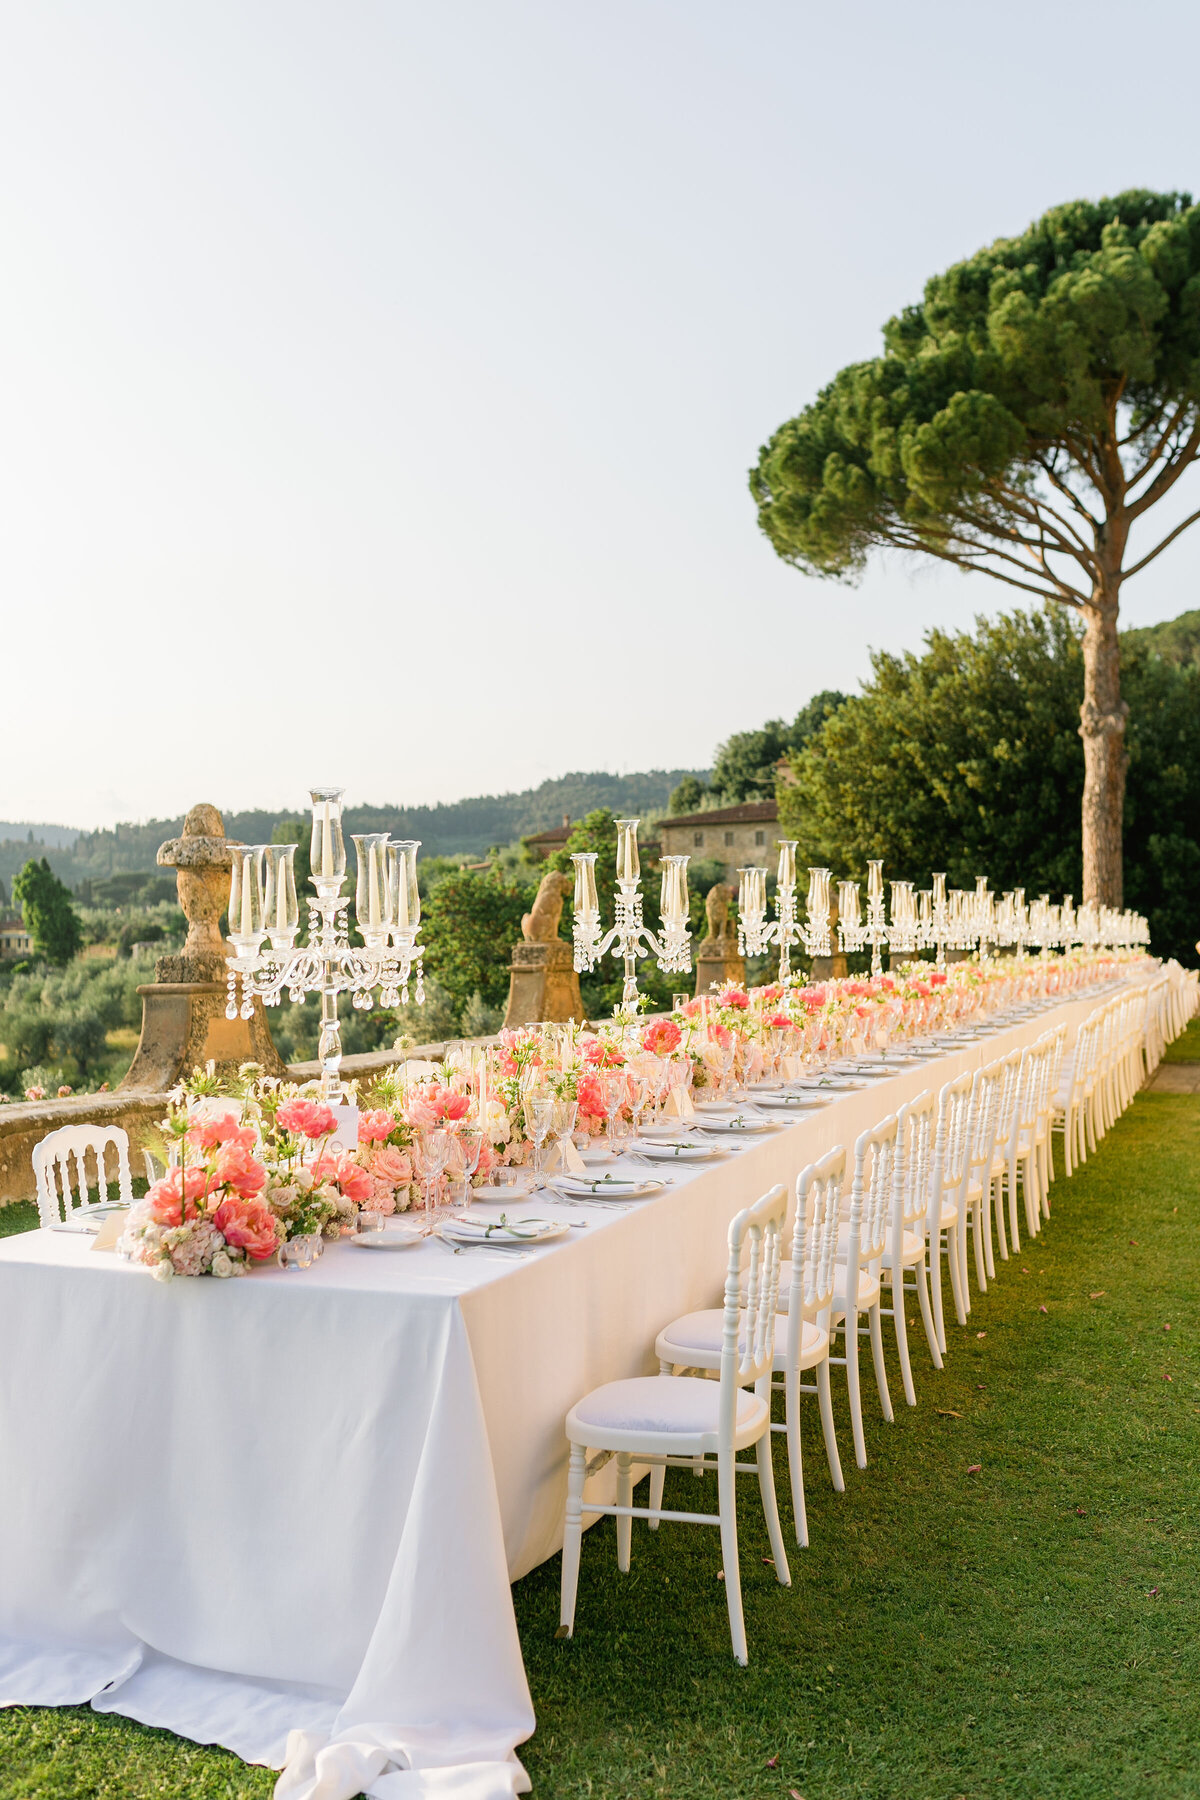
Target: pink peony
774 992
248 1225
778 1022
207 1134
720 1034
374 1127
662 1037
163 1199
735 997
35 1093
307 1118
236 1168
453 1105
422 1111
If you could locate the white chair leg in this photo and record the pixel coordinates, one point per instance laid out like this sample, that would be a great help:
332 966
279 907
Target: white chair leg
572 1538
997 1201
828 1431
875 1325
934 1252
791 1396
927 1317
624 1498
963 1296
658 1471
850 1331
979 1234
962 1304
727 1507
770 1506
1014 1169
901 1324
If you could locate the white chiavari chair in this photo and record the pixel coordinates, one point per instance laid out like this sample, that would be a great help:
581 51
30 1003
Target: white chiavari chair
858 1278
949 1164
680 1421
974 1197
802 1329
1012 1073
93 1149
905 1254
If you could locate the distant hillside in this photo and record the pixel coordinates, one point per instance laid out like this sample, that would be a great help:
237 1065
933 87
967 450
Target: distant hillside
1175 640
463 827
61 837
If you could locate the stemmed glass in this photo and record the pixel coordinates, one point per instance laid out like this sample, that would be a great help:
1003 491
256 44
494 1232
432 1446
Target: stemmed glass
538 1107
466 1146
432 1147
616 1093
562 1120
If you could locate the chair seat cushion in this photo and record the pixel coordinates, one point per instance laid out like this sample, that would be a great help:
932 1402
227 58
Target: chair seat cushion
700 1334
868 1290
911 1251
662 1403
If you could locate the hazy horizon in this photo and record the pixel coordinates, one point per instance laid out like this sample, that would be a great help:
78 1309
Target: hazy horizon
380 383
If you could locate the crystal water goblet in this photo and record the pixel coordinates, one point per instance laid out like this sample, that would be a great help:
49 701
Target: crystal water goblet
538 1108
431 1147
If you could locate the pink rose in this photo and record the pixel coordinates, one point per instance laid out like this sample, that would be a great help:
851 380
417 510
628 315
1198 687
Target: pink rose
163 1199
236 1168
662 1037
248 1225
307 1118
391 1166
374 1127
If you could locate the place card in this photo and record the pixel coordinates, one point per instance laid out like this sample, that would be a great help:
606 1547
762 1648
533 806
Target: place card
110 1230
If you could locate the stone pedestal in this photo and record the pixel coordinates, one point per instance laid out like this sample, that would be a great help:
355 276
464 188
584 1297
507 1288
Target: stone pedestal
543 986
718 964
184 1026
183 1009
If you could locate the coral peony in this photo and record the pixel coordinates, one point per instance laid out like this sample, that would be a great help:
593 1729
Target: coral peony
207 1134
590 1096
306 1118
353 1180
734 997
453 1105
422 1111
236 1168
662 1037
248 1225
374 1127
163 1199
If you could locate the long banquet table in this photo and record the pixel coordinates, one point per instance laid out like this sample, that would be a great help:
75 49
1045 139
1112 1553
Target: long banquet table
282 1514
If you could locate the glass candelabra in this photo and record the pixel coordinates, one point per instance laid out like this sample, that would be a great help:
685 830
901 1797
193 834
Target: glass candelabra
629 938
757 933
263 906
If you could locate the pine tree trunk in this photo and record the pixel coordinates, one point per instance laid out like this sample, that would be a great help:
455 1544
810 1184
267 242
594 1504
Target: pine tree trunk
1102 729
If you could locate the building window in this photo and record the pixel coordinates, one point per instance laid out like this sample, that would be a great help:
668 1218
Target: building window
728 837
697 839
760 837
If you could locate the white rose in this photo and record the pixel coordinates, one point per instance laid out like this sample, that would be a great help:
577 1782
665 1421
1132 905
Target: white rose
222 1265
164 1270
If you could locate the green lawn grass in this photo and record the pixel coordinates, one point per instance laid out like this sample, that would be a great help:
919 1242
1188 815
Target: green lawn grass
1186 1048
1026 1631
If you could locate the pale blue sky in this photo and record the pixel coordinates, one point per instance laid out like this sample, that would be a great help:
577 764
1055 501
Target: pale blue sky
423 349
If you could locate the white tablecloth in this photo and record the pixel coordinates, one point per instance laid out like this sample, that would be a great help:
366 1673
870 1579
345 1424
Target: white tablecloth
282 1514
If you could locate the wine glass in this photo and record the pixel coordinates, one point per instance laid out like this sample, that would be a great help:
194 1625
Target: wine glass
538 1108
562 1119
431 1147
615 1092
466 1143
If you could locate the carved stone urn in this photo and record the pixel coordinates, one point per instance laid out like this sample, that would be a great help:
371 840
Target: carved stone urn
183 1008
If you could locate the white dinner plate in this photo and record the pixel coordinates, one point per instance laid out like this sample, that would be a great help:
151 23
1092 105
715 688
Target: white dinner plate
738 1123
794 1102
489 1191
516 1231
392 1237
680 1150
608 1187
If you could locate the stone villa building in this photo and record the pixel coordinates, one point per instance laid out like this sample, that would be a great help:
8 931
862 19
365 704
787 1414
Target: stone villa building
14 940
736 835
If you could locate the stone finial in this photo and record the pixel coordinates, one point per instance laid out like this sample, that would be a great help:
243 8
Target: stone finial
201 858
